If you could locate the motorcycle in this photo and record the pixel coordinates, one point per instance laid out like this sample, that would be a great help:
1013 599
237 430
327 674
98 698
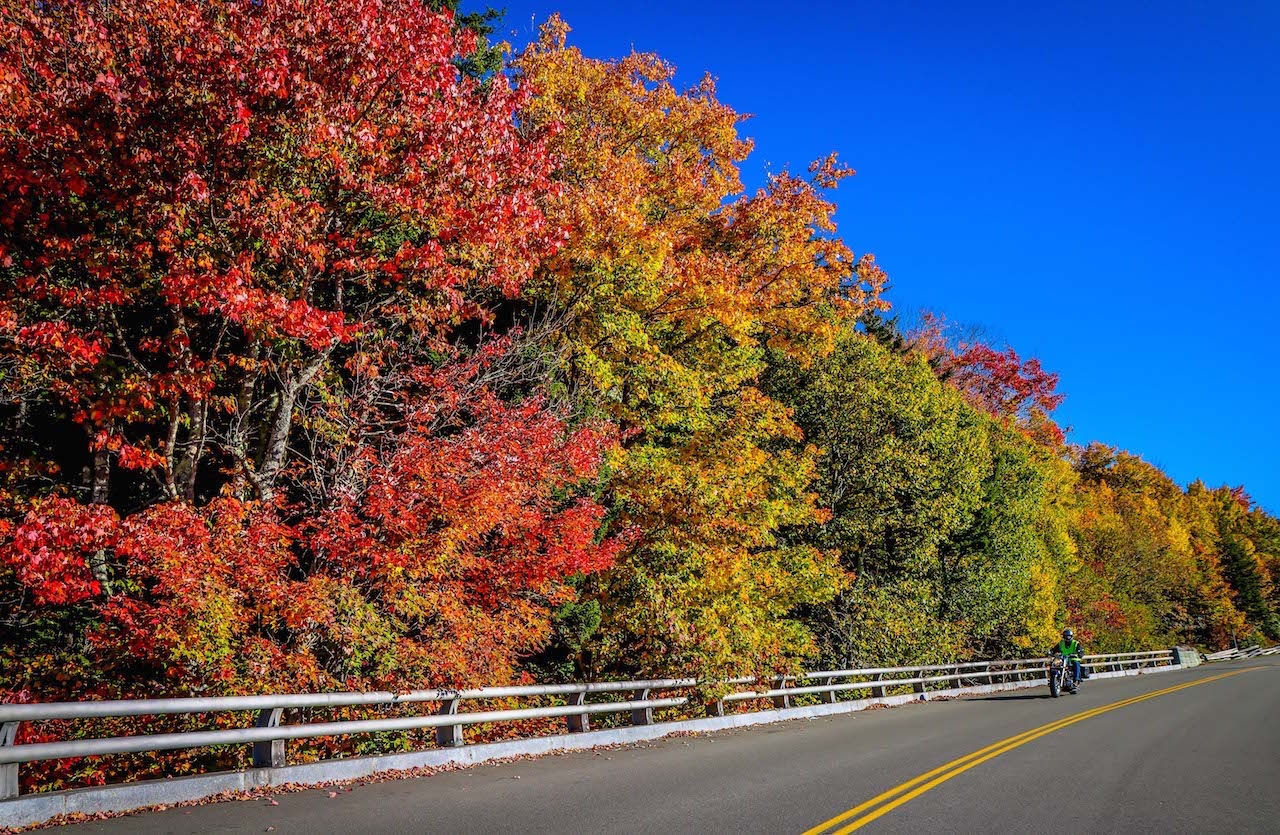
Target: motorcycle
1060 675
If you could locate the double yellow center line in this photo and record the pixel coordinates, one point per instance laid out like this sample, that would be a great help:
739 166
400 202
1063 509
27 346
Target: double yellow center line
911 789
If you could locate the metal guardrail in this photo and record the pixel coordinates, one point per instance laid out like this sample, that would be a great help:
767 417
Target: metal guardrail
1116 661
268 735
1248 652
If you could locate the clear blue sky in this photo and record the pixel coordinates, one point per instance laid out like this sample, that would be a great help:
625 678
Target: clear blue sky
1096 185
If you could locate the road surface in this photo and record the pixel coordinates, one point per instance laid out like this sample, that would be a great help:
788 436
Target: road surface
1202 758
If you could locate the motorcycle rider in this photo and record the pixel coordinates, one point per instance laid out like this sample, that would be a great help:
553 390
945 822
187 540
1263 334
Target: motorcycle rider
1071 650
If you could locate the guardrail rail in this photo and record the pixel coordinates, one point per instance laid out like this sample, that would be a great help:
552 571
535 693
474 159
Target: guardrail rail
1248 652
268 734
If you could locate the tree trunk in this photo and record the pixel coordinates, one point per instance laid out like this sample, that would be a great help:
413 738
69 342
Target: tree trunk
100 494
186 476
273 438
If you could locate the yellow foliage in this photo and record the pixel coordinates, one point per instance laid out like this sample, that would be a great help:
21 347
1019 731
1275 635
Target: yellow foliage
668 290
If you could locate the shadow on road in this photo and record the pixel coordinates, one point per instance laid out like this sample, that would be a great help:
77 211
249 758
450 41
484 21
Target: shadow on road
1011 698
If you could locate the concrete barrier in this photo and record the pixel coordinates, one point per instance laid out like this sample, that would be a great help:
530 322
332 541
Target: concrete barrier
1186 656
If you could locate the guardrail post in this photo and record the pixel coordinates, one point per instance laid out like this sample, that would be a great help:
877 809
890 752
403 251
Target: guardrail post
828 696
784 700
449 736
269 753
641 715
715 708
919 687
991 679
877 692
578 722
9 771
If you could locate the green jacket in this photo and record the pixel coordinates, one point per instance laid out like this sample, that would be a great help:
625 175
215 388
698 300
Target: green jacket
1072 650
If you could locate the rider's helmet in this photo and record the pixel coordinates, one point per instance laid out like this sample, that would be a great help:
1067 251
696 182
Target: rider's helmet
1067 634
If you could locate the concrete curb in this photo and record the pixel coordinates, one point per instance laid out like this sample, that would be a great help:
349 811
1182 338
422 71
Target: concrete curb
34 809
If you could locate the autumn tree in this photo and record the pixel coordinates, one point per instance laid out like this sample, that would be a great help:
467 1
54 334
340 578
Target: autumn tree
261 424
1153 553
995 380
899 467
1246 547
670 287
1006 570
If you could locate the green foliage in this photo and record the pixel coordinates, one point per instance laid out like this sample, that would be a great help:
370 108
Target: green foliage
884 330
887 624
486 59
574 627
991 568
900 458
1247 545
961 522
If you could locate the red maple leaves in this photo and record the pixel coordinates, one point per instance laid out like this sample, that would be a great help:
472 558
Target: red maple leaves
250 258
1002 383
50 549
999 382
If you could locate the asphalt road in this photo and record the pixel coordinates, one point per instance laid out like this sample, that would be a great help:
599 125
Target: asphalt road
1204 758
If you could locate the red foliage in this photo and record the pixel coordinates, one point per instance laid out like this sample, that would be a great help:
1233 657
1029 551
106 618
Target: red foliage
1242 499
50 549
1000 383
462 533
196 194
245 253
